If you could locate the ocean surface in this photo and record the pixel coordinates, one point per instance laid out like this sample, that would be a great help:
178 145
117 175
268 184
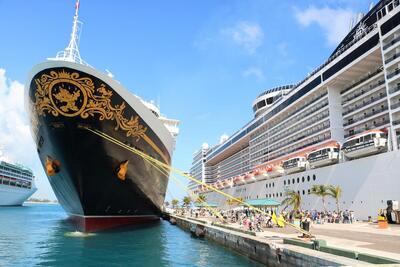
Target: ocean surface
39 235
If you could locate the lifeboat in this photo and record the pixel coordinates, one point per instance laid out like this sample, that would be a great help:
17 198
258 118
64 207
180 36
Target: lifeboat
324 156
274 171
238 180
258 175
249 178
365 144
295 164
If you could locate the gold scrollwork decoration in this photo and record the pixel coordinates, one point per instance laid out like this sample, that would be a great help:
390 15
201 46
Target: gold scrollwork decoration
68 94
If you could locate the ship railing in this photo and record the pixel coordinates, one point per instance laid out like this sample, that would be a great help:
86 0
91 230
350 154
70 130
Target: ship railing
391 58
363 79
366 116
295 149
394 41
372 87
374 126
394 88
364 104
392 74
394 106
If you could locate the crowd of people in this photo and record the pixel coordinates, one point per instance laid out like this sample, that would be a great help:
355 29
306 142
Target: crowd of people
256 221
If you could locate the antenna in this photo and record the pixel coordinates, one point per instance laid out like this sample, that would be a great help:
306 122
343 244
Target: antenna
71 52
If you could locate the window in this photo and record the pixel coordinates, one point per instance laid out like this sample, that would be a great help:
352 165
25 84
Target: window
288 181
293 181
308 178
302 179
304 192
273 184
298 180
284 182
314 177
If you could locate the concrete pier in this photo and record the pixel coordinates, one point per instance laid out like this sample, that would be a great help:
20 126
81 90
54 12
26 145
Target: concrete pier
275 250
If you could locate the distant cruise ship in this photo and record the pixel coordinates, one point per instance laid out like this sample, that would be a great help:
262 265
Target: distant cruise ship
16 184
339 126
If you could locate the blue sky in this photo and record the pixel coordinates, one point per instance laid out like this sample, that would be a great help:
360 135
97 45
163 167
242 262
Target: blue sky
203 61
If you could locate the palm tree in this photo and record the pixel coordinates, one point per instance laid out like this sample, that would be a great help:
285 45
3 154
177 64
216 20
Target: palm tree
336 193
292 199
321 191
166 204
186 201
174 203
201 199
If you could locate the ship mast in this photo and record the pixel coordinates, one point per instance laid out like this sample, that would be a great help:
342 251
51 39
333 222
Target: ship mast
71 52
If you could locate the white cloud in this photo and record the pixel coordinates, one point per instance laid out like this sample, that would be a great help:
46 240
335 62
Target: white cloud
334 22
254 72
15 138
247 35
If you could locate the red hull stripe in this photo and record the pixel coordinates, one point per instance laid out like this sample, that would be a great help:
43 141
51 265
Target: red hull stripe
99 223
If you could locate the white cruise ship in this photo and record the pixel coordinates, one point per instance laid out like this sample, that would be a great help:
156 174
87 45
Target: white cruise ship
338 126
16 184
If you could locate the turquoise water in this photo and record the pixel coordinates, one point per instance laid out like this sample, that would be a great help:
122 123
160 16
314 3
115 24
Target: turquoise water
38 235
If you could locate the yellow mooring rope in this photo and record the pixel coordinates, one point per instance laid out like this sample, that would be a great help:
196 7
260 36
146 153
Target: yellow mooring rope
167 175
181 173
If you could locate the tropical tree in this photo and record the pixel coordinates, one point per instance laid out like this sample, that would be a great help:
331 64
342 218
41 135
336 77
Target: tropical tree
186 201
174 203
201 199
321 191
336 193
292 198
166 203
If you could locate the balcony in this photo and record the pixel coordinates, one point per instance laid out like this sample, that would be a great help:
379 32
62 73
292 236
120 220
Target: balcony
362 80
394 41
392 74
396 122
394 89
376 125
366 116
391 58
394 106
372 87
364 104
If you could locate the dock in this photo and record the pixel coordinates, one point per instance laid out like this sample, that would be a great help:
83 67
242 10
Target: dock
358 245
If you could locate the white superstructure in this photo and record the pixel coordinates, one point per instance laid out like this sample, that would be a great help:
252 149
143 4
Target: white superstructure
16 184
339 126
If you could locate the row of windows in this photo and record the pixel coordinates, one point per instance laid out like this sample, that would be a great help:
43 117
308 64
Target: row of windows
303 179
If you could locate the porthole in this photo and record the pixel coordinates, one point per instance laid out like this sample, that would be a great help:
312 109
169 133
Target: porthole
308 178
302 179
284 182
309 191
293 181
288 181
314 177
304 192
273 184
298 180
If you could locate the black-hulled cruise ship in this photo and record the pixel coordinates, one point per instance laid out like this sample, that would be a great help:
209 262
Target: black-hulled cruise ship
99 183
340 126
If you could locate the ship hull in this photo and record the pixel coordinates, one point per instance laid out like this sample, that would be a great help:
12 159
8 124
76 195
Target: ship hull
14 196
85 131
367 183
